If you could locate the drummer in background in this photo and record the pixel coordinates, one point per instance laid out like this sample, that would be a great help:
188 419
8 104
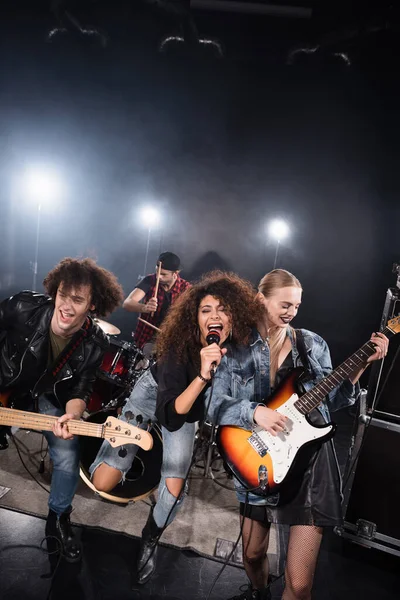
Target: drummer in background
143 299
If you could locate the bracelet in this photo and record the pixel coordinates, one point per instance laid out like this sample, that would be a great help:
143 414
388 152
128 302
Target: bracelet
200 376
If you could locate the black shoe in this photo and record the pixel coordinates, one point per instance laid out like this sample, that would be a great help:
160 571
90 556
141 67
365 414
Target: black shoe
60 528
146 562
251 594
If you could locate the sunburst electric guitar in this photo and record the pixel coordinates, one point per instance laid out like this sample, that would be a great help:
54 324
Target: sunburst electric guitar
264 463
115 431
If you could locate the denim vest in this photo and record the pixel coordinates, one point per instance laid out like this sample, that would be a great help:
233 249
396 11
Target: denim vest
242 382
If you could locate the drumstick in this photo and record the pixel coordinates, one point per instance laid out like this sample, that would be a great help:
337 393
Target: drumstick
149 324
159 266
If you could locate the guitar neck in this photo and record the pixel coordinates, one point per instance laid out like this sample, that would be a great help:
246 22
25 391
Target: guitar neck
314 397
37 422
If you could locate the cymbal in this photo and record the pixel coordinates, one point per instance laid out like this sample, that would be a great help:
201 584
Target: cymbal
107 327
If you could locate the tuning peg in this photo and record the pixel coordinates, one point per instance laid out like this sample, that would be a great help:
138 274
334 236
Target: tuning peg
129 416
122 452
149 424
139 419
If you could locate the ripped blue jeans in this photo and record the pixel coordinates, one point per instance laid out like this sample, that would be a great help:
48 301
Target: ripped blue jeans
65 457
177 448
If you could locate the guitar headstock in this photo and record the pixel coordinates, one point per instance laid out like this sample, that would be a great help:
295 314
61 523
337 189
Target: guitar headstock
119 433
394 325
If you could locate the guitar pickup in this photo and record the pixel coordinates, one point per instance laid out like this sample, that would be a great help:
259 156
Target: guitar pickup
256 442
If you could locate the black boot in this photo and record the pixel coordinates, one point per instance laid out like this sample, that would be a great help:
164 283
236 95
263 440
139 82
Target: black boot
146 562
60 528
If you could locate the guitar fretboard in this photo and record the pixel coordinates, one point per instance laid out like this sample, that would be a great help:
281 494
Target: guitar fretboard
312 398
37 422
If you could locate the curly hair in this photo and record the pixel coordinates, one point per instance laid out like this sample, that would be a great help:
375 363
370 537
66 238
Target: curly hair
180 328
107 293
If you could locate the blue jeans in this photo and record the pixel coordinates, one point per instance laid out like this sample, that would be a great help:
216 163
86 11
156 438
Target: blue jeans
65 457
177 456
142 402
177 448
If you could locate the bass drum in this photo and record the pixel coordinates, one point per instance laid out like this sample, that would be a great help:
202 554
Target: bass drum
143 477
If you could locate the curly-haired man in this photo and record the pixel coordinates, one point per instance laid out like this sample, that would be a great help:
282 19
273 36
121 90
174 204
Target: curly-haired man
50 350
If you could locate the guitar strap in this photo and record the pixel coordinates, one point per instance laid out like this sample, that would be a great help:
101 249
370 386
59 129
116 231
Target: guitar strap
302 350
64 356
69 349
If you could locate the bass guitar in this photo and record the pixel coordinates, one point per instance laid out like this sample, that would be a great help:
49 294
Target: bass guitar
264 463
115 431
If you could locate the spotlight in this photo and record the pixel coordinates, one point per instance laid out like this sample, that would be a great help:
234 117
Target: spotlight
278 229
42 186
150 216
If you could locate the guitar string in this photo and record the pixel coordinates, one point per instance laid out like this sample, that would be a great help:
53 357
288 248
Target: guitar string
309 397
32 420
84 430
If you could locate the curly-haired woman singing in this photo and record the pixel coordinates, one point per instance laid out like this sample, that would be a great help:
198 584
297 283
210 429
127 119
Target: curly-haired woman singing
221 301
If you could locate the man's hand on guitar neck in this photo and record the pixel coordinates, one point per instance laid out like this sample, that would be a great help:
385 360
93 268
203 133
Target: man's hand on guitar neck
74 410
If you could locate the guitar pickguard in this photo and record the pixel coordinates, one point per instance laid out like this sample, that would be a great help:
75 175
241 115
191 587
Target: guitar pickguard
283 447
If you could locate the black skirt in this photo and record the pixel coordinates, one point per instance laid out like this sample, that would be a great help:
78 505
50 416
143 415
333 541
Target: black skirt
315 499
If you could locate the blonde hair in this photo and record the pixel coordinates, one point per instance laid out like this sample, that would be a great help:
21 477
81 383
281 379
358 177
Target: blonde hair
272 281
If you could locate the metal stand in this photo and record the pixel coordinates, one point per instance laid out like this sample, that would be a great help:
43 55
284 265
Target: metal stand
390 309
212 453
146 256
34 454
35 264
392 299
208 454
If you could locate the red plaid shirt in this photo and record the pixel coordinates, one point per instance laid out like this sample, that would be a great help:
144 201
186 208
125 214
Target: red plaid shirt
143 333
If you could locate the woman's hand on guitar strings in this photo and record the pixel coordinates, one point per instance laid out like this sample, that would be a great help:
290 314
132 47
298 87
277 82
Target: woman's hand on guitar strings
270 420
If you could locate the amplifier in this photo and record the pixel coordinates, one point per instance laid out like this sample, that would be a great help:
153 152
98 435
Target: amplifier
372 485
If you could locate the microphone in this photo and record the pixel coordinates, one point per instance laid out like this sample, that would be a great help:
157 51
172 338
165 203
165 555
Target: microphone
213 337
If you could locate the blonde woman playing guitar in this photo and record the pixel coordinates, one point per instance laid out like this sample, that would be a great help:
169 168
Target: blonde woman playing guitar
296 481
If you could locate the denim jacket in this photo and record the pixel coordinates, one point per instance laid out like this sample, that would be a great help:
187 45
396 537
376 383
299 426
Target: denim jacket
242 382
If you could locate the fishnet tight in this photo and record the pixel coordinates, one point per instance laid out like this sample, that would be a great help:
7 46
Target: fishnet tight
302 555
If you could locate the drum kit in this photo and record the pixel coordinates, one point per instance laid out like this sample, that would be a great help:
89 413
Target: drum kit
117 375
122 365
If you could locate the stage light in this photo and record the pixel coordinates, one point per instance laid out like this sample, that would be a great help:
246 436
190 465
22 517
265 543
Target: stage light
150 216
278 230
42 186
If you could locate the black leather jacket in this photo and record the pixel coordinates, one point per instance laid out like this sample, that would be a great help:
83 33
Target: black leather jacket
24 349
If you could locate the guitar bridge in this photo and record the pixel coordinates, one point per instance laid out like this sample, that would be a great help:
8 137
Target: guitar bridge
257 444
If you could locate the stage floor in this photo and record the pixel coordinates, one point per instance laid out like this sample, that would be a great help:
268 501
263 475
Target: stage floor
344 572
